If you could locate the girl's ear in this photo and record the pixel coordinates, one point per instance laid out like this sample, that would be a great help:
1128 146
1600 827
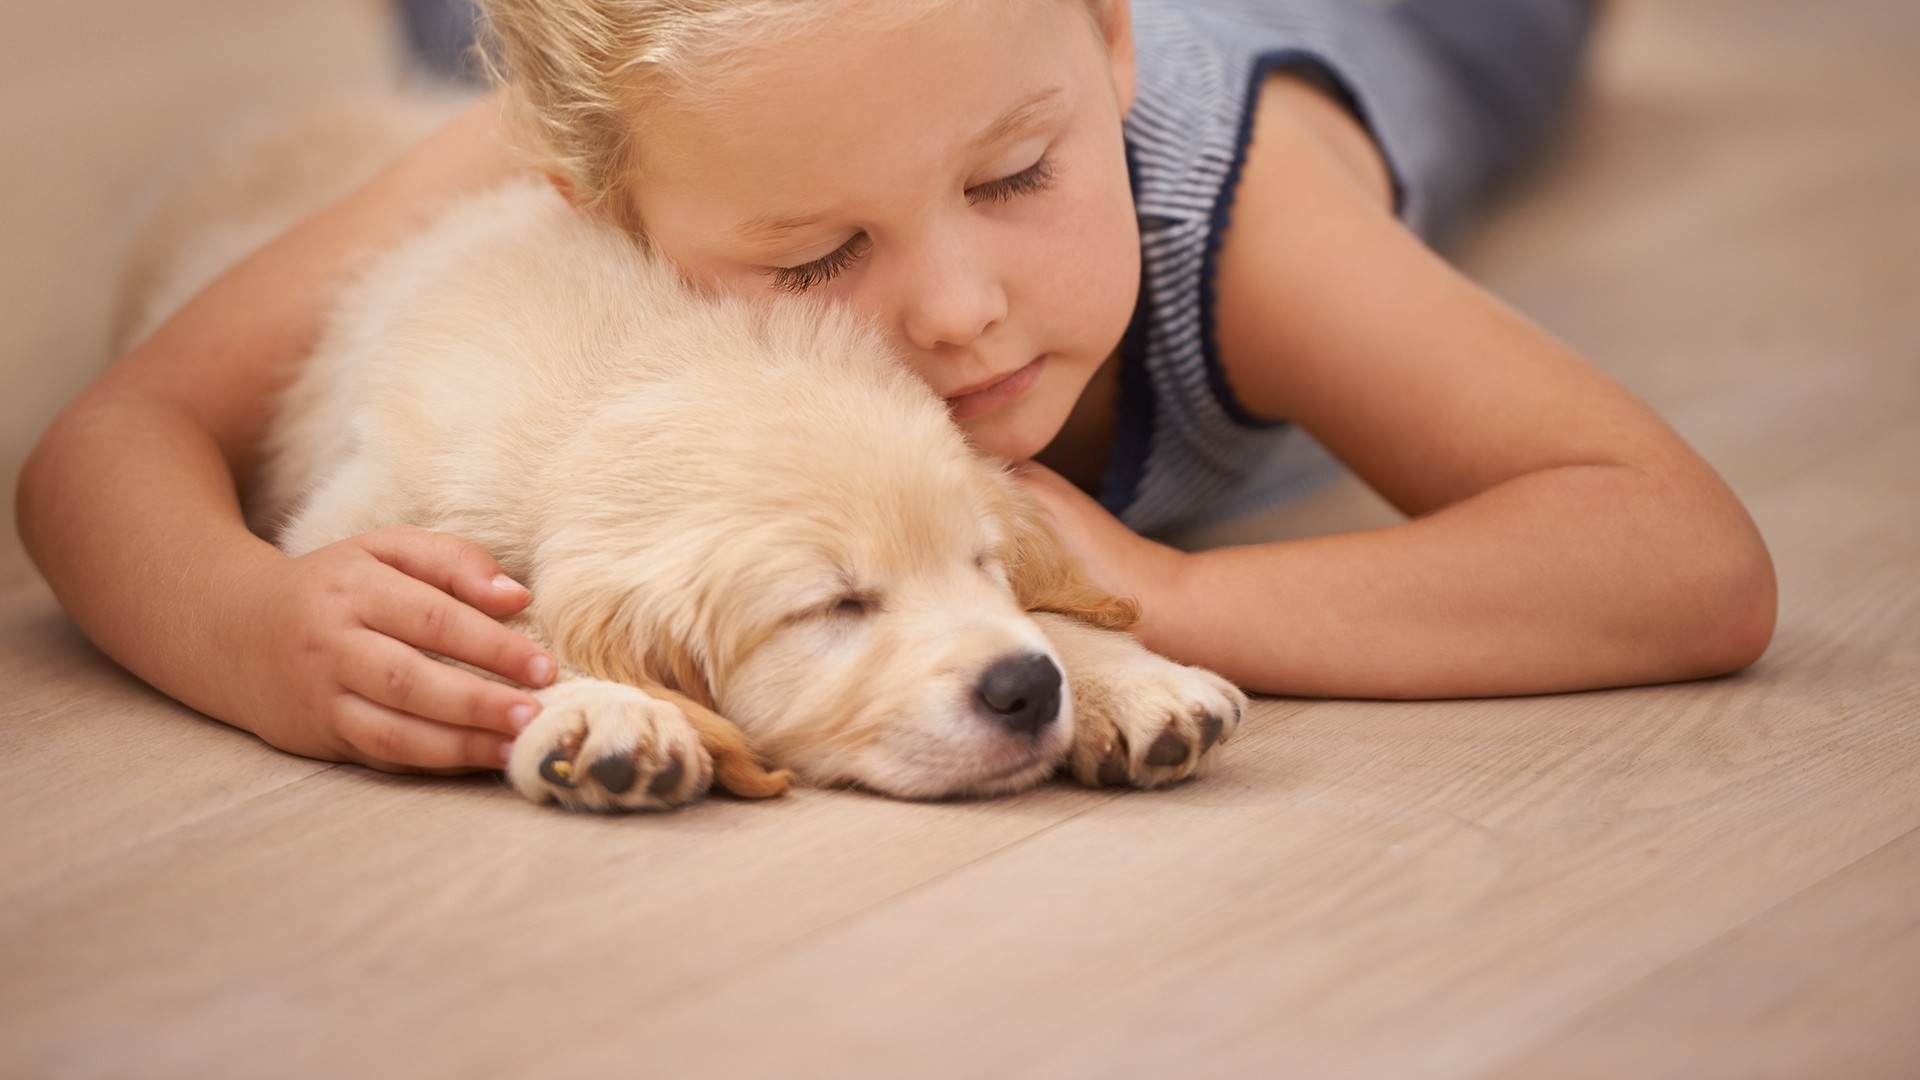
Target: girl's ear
1117 29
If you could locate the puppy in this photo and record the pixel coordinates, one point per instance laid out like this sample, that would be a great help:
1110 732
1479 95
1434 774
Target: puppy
751 534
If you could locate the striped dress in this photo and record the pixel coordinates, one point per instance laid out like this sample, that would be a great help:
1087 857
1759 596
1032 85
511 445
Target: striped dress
1453 91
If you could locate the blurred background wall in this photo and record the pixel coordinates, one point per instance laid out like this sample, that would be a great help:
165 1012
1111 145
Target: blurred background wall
94 96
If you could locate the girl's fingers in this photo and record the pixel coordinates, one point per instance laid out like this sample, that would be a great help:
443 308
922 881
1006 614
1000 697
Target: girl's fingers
392 674
393 741
418 614
450 564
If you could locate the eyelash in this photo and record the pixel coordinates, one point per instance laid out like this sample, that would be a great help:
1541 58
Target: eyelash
1035 178
798 279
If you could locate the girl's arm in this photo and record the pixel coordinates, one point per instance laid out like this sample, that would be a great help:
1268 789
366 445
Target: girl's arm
129 506
1562 536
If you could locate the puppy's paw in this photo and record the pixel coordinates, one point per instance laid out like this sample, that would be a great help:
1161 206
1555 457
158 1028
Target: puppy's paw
600 745
1141 720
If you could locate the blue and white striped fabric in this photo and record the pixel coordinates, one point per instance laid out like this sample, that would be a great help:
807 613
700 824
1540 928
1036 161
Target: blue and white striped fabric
1450 121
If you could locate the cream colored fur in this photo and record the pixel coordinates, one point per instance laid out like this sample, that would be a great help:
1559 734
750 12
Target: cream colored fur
724 510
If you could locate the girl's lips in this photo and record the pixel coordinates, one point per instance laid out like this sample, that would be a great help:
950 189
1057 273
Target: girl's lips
995 394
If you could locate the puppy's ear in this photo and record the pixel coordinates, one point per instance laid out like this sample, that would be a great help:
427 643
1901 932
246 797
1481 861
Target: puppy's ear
670 664
602 641
1045 577
600 637
565 187
671 673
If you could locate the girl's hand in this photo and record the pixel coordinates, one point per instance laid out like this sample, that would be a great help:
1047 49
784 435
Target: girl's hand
334 639
1112 556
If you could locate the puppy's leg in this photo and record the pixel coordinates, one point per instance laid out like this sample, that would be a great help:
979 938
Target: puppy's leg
600 745
1139 719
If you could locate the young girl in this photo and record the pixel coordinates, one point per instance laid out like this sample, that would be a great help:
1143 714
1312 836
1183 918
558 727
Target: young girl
1156 252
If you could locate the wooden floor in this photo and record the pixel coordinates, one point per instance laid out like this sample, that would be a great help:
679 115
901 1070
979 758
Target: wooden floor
1718 879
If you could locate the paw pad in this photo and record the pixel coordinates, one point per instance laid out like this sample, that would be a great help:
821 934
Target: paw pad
1169 749
668 778
1210 730
616 774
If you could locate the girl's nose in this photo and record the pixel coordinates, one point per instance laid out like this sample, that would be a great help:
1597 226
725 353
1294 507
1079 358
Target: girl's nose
954 297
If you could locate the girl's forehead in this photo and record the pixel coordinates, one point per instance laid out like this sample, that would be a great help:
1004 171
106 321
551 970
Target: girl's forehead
696 51
849 93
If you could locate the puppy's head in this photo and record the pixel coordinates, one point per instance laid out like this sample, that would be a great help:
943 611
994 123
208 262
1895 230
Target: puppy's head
809 546
876 638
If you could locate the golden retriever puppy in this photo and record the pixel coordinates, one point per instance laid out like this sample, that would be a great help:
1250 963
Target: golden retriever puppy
751 534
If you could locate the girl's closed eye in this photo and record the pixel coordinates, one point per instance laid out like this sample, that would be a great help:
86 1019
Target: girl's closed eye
1034 178
798 279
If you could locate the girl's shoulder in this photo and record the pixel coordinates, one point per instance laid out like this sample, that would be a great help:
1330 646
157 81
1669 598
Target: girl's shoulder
1209 70
1190 443
1311 183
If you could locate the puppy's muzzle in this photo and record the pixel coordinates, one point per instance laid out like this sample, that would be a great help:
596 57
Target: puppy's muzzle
1020 693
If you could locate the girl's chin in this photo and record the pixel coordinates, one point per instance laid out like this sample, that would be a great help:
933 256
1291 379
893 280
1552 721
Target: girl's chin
1006 437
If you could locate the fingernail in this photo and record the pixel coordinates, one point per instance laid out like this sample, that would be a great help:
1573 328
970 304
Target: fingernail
520 716
540 671
507 584
506 753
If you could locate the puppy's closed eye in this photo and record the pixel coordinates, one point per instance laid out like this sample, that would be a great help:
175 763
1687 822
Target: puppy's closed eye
853 608
849 604
992 565
854 605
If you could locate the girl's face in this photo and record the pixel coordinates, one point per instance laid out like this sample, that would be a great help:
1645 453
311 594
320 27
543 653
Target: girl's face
958 178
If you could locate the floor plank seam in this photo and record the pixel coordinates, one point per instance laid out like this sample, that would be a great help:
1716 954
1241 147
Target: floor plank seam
169 832
1572 1021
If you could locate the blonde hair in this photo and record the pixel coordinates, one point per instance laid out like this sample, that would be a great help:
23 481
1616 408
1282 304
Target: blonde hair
577 69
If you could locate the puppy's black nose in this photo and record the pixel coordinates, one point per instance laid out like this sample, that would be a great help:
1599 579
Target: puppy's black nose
1021 692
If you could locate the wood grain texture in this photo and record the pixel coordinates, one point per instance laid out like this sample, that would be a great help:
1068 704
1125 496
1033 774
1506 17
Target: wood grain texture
1822 985
1707 879
448 926
93 763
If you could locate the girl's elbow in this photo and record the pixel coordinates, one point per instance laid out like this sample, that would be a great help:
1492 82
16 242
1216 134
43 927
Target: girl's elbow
30 488
1738 609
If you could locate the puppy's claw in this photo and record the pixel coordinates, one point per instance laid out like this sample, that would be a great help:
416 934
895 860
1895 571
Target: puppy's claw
1169 749
557 768
1113 768
617 774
